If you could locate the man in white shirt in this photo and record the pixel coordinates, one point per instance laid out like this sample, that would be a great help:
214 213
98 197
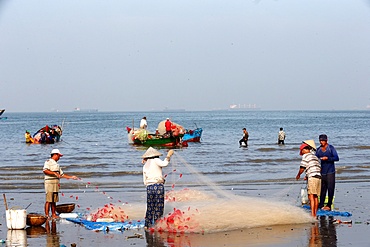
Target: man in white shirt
53 173
143 123
281 136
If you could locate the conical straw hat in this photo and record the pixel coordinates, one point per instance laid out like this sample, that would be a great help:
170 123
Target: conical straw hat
151 152
310 143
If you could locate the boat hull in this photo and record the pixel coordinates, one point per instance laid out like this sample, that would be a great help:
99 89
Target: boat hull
193 135
142 138
159 141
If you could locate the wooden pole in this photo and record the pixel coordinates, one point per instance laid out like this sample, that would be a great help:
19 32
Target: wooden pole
6 204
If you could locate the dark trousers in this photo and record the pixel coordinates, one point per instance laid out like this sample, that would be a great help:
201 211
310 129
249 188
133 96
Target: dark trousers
243 140
327 185
154 203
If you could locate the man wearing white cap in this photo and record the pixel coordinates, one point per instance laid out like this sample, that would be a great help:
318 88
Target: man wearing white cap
53 173
154 181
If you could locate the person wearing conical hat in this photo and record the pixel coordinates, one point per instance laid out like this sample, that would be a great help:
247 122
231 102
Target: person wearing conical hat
310 164
154 182
327 155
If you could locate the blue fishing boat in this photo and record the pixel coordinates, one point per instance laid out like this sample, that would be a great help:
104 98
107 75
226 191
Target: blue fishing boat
193 135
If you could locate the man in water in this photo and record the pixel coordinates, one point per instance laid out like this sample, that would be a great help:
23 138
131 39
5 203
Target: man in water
281 136
328 155
28 137
53 174
245 138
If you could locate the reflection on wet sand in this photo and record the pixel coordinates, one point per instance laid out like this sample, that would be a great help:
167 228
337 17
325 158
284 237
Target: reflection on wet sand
35 231
319 234
315 238
52 238
153 240
328 232
271 235
323 233
17 237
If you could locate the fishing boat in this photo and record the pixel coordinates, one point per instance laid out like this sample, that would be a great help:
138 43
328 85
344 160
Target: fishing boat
1 113
193 135
142 137
160 138
45 135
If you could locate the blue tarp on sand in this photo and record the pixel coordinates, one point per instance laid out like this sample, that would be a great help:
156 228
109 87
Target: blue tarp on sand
328 213
108 226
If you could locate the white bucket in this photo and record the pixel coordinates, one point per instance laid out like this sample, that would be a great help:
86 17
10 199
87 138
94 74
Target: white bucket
16 218
17 238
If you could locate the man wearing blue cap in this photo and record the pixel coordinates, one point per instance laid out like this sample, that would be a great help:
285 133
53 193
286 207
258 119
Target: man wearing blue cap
327 155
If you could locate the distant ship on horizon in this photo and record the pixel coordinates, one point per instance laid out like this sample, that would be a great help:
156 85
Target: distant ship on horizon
166 109
77 109
244 107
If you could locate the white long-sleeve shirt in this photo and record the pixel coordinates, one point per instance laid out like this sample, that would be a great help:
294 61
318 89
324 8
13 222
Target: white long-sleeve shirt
152 171
143 124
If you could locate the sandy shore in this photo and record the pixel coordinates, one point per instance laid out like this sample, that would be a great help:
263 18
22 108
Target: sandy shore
350 196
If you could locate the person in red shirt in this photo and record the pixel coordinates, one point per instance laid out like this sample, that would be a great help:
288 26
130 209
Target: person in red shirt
168 126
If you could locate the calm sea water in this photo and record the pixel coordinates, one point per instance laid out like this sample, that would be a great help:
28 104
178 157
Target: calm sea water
95 146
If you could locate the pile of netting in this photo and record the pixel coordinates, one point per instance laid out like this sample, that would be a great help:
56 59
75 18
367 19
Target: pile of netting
186 195
141 134
109 211
179 222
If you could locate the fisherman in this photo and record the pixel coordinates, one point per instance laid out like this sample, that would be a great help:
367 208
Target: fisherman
168 126
327 155
281 136
245 138
53 173
52 136
43 136
310 164
28 137
143 123
154 182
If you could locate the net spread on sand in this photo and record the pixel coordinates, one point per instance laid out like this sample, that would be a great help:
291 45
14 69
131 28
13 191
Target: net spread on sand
194 204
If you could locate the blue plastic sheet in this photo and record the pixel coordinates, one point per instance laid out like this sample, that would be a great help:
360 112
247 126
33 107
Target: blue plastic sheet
108 226
321 212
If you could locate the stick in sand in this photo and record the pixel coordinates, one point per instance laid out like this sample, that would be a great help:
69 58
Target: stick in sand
6 204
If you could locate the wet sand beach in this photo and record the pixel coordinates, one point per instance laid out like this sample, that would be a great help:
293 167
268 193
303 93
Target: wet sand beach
262 176
326 231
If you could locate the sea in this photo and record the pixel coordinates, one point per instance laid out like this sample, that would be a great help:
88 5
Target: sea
95 148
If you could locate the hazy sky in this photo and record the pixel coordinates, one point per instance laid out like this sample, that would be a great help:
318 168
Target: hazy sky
194 54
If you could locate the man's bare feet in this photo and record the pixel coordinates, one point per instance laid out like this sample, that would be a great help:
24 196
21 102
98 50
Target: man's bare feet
55 217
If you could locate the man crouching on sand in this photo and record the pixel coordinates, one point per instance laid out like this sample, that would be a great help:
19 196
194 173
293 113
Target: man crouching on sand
53 174
310 164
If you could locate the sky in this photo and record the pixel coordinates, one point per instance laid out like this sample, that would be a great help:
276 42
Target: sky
145 55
